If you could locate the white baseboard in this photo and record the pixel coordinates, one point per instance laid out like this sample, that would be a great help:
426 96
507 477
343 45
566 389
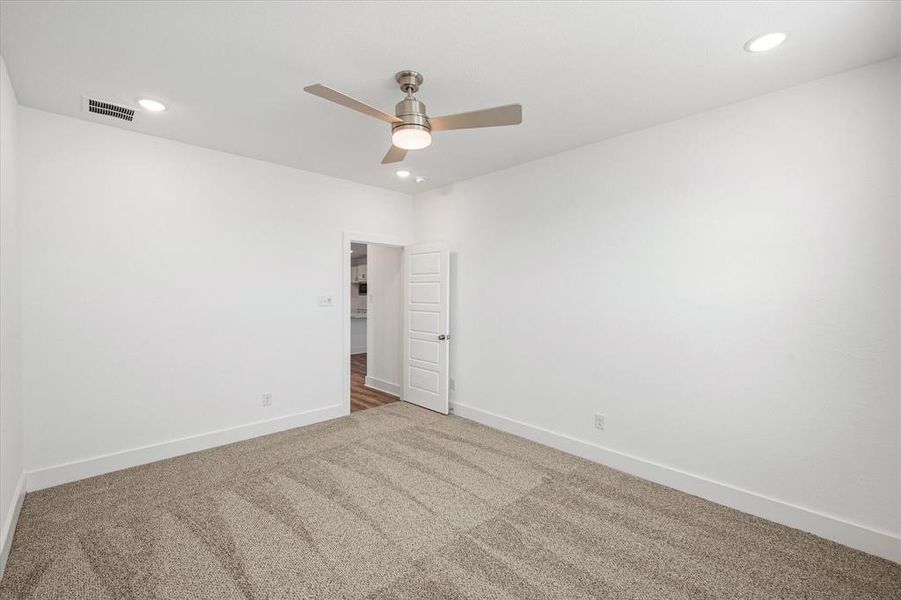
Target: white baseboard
9 522
107 463
880 543
358 350
382 386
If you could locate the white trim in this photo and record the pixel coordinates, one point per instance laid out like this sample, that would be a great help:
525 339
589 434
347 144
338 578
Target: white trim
358 350
9 522
382 386
107 463
861 537
361 238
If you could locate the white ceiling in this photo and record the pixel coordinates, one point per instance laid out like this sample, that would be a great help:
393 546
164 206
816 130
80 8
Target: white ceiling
232 73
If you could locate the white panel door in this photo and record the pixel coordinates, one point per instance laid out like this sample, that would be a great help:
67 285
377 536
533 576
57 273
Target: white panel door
426 318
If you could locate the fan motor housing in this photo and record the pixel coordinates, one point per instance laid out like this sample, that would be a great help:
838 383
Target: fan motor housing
413 114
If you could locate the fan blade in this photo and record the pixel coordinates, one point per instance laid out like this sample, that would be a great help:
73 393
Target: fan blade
394 154
352 103
511 114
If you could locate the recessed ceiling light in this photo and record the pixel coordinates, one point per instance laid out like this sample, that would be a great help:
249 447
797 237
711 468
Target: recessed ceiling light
420 179
151 105
403 174
764 42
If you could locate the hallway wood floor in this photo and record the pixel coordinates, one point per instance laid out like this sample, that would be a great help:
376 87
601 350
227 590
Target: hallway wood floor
362 397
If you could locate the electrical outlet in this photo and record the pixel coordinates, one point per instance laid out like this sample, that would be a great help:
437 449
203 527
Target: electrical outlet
453 383
600 421
267 399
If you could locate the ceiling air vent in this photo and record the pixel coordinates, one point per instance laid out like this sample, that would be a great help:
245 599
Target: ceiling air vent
109 109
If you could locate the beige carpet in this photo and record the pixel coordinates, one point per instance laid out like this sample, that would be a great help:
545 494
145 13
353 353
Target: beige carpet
397 502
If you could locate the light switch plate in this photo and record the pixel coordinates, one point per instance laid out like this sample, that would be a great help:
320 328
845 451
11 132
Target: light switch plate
326 301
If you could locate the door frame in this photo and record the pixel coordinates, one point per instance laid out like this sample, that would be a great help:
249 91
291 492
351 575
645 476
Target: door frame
347 238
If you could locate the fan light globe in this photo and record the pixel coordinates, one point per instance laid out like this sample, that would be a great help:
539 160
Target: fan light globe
411 137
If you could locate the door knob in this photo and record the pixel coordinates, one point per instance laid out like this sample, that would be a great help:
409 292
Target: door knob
443 337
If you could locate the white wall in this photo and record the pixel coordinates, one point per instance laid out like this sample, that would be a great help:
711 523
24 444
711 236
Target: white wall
10 330
723 288
384 318
167 287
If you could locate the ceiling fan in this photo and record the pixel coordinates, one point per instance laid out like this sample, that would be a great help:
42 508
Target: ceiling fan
411 127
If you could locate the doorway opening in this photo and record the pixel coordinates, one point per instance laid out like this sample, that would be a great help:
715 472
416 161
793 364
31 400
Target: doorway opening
376 346
405 305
